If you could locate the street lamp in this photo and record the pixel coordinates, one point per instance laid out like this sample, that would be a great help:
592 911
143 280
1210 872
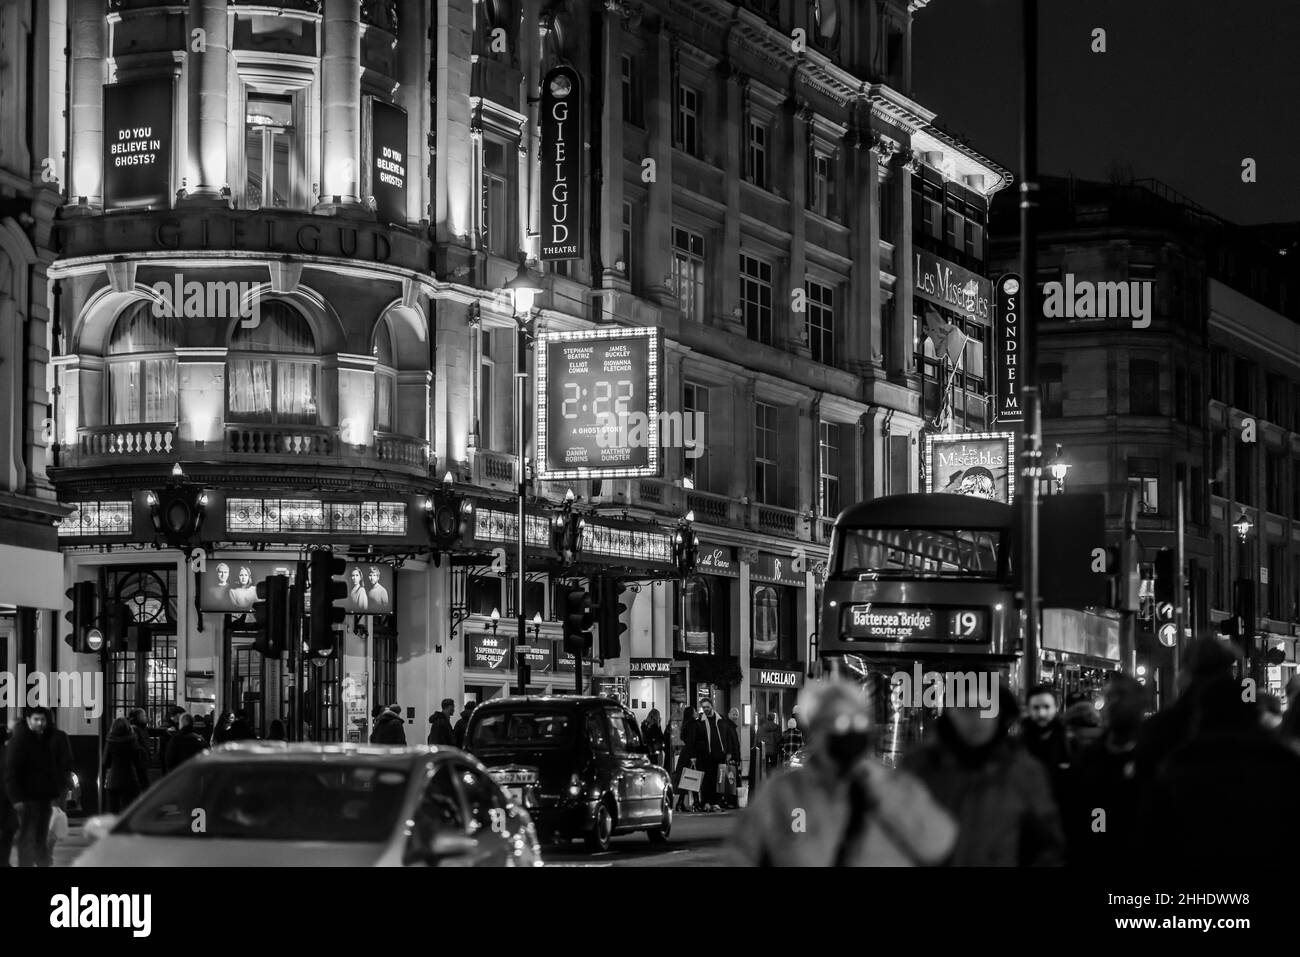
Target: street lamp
537 626
1243 526
523 290
494 622
1058 468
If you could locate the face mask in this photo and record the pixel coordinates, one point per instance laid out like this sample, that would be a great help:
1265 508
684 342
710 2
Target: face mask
846 749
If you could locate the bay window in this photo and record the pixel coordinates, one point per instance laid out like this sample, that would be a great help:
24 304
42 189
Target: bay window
142 367
265 382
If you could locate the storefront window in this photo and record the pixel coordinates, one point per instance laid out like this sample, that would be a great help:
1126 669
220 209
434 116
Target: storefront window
697 628
772 622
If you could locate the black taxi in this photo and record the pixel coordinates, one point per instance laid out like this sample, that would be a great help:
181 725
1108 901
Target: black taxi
576 763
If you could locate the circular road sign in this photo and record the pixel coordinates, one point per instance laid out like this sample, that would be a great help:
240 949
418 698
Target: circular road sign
1169 635
94 639
1165 610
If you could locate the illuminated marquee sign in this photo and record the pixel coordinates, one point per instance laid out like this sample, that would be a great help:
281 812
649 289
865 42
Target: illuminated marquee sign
772 678
950 286
138 144
649 667
229 585
388 174
870 622
493 525
1006 332
977 464
562 181
598 404
488 652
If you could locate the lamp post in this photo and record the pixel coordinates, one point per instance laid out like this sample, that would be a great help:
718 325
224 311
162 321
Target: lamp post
1059 468
523 289
1246 603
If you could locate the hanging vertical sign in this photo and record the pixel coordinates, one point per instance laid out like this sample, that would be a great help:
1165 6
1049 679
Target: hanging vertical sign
138 143
562 165
1006 332
388 161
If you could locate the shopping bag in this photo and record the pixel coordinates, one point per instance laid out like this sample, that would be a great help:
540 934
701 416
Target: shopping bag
727 779
692 779
58 824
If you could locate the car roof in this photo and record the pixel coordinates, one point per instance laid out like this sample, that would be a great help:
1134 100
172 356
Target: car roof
551 700
327 753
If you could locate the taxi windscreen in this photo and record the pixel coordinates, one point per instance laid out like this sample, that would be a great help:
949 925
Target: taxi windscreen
273 801
524 728
941 553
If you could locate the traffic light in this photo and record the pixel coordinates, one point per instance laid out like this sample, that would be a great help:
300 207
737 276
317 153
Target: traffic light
117 623
327 587
449 518
1126 578
609 617
577 623
177 512
84 597
272 612
1166 598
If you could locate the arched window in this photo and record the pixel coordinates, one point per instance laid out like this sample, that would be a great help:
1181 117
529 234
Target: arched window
767 622
385 379
698 624
263 384
142 367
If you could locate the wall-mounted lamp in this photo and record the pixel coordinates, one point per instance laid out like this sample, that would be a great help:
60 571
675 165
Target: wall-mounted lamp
494 623
537 625
1243 526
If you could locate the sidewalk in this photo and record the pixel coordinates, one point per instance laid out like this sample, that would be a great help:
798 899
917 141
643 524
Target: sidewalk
66 851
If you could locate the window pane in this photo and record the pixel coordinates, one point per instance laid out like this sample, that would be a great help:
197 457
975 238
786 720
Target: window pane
385 387
296 392
281 329
250 390
139 330
124 392
159 390
767 617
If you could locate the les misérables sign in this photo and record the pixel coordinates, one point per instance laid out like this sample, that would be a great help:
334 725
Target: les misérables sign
562 165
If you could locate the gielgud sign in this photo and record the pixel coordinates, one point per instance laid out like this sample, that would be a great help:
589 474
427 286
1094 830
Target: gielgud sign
138 143
562 165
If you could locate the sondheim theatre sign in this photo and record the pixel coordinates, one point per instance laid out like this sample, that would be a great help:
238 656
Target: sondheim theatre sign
1006 333
562 165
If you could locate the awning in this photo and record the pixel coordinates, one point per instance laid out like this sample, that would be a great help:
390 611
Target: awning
31 577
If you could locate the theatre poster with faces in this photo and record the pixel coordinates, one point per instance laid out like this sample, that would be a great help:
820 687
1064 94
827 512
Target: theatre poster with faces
229 585
977 464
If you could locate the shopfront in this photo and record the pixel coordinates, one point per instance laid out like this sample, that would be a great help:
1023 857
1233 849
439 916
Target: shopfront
648 689
778 604
774 691
1080 651
704 645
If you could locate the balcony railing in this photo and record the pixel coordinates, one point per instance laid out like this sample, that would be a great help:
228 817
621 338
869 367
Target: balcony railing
280 440
780 521
401 450
709 508
146 439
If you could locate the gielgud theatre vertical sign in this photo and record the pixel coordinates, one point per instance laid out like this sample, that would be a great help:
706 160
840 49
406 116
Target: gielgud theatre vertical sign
562 165
138 143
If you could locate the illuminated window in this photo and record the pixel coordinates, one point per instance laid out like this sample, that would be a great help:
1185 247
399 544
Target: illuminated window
766 451
270 151
142 368
821 182
695 425
688 273
385 379
272 388
499 174
828 497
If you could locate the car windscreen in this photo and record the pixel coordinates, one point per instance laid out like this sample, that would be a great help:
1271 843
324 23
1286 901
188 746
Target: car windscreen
273 801
884 553
522 728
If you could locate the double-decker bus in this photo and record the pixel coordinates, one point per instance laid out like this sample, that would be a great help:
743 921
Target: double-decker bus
920 584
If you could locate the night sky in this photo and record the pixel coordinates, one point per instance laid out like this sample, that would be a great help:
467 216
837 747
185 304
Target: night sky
1185 90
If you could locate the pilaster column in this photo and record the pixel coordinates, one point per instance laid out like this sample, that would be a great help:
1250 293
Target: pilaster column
209 79
341 103
656 260
899 336
89 55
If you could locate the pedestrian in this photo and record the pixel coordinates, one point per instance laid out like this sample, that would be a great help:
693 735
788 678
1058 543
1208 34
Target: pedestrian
125 774
276 731
710 754
999 794
1208 661
1186 815
652 736
221 730
463 723
240 728
769 741
1083 726
8 816
38 772
389 727
791 741
173 726
139 722
186 743
1042 733
440 730
686 759
1100 810
850 811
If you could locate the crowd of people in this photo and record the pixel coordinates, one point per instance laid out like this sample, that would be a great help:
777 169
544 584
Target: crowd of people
1098 784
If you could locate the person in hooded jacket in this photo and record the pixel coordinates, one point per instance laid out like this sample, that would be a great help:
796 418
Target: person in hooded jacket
125 774
37 775
389 727
185 744
854 811
440 730
1227 761
999 794
463 723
